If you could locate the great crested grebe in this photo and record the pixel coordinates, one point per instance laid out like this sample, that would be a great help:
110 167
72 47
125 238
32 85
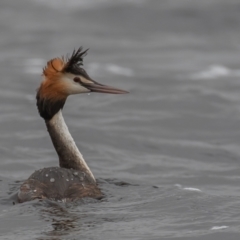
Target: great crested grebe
73 180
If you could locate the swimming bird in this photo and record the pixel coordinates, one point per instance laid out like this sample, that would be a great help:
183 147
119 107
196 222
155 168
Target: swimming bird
73 179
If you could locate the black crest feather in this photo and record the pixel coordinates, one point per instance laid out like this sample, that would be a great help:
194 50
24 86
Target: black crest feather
75 62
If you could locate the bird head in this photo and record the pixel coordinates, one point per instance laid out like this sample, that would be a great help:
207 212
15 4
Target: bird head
63 77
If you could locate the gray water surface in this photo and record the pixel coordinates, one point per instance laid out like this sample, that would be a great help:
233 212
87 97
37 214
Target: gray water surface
166 155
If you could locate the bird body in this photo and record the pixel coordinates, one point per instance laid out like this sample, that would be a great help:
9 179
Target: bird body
59 184
73 179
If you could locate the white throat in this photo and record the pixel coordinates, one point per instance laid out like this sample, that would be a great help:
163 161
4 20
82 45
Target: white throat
68 153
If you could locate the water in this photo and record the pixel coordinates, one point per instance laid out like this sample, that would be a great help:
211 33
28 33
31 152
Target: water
166 155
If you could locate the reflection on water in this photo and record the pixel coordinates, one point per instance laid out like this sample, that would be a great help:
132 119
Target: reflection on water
62 221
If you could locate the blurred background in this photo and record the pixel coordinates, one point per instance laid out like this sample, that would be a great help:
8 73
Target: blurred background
166 155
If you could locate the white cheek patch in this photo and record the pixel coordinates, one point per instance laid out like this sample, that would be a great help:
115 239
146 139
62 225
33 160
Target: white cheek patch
76 88
72 87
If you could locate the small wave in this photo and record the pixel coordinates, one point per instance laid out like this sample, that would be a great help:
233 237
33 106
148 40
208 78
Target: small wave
188 188
82 4
219 227
215 71
97 69
34 65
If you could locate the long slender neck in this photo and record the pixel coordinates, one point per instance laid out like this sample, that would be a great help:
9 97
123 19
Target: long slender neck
68 153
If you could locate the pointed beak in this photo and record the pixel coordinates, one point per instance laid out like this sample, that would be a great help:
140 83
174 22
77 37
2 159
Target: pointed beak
98 87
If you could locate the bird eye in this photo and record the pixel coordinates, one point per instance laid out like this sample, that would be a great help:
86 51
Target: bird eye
76 79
